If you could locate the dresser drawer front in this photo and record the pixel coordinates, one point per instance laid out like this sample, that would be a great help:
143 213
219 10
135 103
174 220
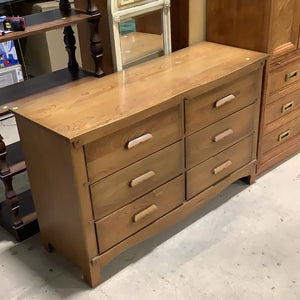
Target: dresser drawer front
221 102
287 104
284 76
218 167
122 187
219 136
131 218
281 135
122 148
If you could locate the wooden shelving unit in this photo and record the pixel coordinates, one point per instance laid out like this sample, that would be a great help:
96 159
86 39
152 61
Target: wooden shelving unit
17 212
48 20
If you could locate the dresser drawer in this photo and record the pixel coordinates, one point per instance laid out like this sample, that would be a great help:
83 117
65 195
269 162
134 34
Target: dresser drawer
126 221
118 150
219 136
210 107
284 76
122 187
218 167
281 135
282 107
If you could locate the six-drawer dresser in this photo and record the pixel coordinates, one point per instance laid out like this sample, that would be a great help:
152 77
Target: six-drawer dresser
113 161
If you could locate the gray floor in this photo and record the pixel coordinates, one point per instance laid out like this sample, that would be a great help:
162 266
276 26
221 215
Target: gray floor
244 244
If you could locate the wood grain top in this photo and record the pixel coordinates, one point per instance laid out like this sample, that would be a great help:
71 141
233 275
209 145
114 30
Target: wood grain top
92 107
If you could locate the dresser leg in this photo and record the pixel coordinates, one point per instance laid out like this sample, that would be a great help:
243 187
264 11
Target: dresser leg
92 276
251 178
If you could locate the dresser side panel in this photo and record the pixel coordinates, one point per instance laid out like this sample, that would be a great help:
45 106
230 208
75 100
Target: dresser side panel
58 194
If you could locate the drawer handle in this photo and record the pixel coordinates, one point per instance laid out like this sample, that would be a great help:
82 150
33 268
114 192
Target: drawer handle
224 100
284 136
291 75
287 107
223 135
144 138
138 217
221 168
141 178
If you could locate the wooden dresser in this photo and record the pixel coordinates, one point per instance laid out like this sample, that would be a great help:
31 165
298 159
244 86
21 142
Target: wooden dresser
273 27
113 161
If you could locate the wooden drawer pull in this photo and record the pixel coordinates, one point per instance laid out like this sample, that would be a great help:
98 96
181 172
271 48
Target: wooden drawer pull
224 100
221 168
287 107
141 178
291 75
222 135
144 138
284 136
138 217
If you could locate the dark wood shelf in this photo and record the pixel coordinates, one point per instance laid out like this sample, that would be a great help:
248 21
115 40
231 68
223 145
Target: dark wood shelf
48 20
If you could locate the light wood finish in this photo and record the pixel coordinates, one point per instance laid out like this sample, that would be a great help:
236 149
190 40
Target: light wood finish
136 180
222 167
221 102
286 105
280 153
216 168
81 117
89 220
143 214
279 78
135 216
175 216
137 141
113 152
287 118
219 136
272 27
66 224
281 134
285 26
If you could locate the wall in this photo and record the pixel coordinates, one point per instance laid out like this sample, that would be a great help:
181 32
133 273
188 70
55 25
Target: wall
197 11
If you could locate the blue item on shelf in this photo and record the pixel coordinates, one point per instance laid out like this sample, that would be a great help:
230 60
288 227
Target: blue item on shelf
8 55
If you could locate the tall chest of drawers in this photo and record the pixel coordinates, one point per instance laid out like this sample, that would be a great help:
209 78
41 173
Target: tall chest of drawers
124 157
272 27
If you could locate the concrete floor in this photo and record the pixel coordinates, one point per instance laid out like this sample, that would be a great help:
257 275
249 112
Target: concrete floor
244 244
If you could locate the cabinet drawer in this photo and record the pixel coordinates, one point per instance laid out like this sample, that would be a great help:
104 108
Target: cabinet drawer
282 107
281 135
217 137
218 167
284 76
122 187
140 213
280 152
215 105
118 150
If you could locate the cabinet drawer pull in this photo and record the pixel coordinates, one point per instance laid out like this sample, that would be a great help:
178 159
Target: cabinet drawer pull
284 136
138 217
221 168
144 138
224 100
291 75
222 135
141 178
287 107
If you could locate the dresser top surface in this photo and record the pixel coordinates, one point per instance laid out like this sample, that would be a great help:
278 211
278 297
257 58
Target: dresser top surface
91 104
